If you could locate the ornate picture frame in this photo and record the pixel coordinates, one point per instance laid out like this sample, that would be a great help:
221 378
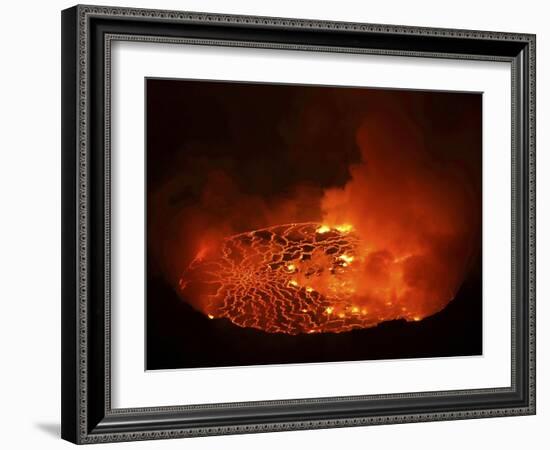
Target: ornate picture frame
88 33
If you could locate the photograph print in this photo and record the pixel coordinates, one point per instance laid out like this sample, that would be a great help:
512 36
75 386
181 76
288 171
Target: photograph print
291 224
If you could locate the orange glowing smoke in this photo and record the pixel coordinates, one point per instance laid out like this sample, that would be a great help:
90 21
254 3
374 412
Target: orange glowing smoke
394 242
417 219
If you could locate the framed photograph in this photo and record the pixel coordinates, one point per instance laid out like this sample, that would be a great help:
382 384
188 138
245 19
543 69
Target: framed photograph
279 224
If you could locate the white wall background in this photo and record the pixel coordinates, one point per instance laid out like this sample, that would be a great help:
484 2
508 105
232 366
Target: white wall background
30 222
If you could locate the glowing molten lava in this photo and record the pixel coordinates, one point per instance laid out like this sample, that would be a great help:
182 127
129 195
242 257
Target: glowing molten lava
395 240
298 278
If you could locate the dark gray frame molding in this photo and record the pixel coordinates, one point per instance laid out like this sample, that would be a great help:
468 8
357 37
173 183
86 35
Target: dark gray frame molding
87 35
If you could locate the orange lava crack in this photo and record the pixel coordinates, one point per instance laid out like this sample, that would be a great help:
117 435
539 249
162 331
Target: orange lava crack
294 278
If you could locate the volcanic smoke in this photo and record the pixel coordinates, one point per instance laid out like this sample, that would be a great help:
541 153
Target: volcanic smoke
395 242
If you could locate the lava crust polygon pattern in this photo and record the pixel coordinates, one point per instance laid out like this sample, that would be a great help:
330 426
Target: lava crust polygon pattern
293 278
